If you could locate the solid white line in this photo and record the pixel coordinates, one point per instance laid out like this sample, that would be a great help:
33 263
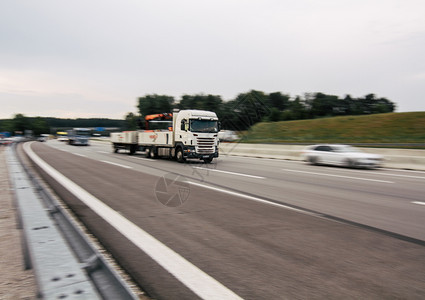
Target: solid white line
82 155
340 176
195 279
251 198
115 164
232 173
104 152
417 202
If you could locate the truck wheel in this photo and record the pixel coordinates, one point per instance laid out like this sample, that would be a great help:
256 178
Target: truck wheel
132 149
151 152
179 156
115 150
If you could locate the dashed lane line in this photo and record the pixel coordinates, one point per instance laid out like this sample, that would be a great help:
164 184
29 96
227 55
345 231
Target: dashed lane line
339 176
115 164
231 173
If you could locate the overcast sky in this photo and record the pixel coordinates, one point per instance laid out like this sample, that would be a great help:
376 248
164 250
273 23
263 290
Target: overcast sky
94 58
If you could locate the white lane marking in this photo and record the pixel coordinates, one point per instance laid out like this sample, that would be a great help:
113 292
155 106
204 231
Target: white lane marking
252 198
417 202
406 171
389 174
104 152
232 173
194 278
115 164
82 155
142 158
340 176
262 158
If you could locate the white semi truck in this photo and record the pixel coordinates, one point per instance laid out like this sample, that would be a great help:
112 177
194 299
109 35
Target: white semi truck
186 134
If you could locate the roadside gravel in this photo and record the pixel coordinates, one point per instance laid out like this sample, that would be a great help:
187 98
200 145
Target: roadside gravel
15 282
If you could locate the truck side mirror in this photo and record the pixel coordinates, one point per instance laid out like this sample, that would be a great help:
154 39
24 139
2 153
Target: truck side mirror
182 127
219 126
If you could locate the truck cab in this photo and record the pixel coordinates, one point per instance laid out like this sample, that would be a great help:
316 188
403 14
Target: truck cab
196 135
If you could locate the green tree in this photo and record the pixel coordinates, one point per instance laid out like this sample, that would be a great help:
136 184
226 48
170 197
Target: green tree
298 109
323 105
203 102
246 110
6 125
39 126
383 105
155 104
20 123
132 121
275 115
279 100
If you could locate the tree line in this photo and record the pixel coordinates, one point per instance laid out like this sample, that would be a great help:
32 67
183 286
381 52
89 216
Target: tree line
255 106
45 125
237 114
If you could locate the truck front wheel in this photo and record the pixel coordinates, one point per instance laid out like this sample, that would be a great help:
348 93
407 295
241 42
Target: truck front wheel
179 156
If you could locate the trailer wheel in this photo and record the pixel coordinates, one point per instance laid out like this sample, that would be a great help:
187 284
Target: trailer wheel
179 156
151 152
133 149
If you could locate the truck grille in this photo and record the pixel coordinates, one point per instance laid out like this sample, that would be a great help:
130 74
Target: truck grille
205 145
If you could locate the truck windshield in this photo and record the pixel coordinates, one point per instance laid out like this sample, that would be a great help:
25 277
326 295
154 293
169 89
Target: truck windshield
203 125
82 132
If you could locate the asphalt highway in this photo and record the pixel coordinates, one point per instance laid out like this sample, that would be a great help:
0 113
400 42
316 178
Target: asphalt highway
258 228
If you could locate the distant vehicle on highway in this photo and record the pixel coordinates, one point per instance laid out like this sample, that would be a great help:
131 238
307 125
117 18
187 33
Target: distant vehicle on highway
62 136
228 136
5 141
79 136
341 155
43 137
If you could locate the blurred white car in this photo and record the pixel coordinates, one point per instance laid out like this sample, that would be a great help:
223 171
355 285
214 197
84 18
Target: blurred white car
340 155
228 136
62 139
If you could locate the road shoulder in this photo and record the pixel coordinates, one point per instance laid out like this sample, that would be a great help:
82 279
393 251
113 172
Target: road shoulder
15 282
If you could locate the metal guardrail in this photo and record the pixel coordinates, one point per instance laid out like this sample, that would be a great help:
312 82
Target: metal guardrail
66 264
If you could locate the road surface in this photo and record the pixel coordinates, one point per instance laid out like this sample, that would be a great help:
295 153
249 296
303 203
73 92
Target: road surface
251 228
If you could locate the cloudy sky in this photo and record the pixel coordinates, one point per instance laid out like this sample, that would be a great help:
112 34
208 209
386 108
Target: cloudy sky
94 58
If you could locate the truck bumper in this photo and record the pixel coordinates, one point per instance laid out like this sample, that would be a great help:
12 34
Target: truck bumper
201 156
191 153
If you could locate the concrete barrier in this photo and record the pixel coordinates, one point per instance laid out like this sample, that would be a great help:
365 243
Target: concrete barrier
394 158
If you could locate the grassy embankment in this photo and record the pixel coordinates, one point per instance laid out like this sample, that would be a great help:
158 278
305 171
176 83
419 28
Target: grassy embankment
391 128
